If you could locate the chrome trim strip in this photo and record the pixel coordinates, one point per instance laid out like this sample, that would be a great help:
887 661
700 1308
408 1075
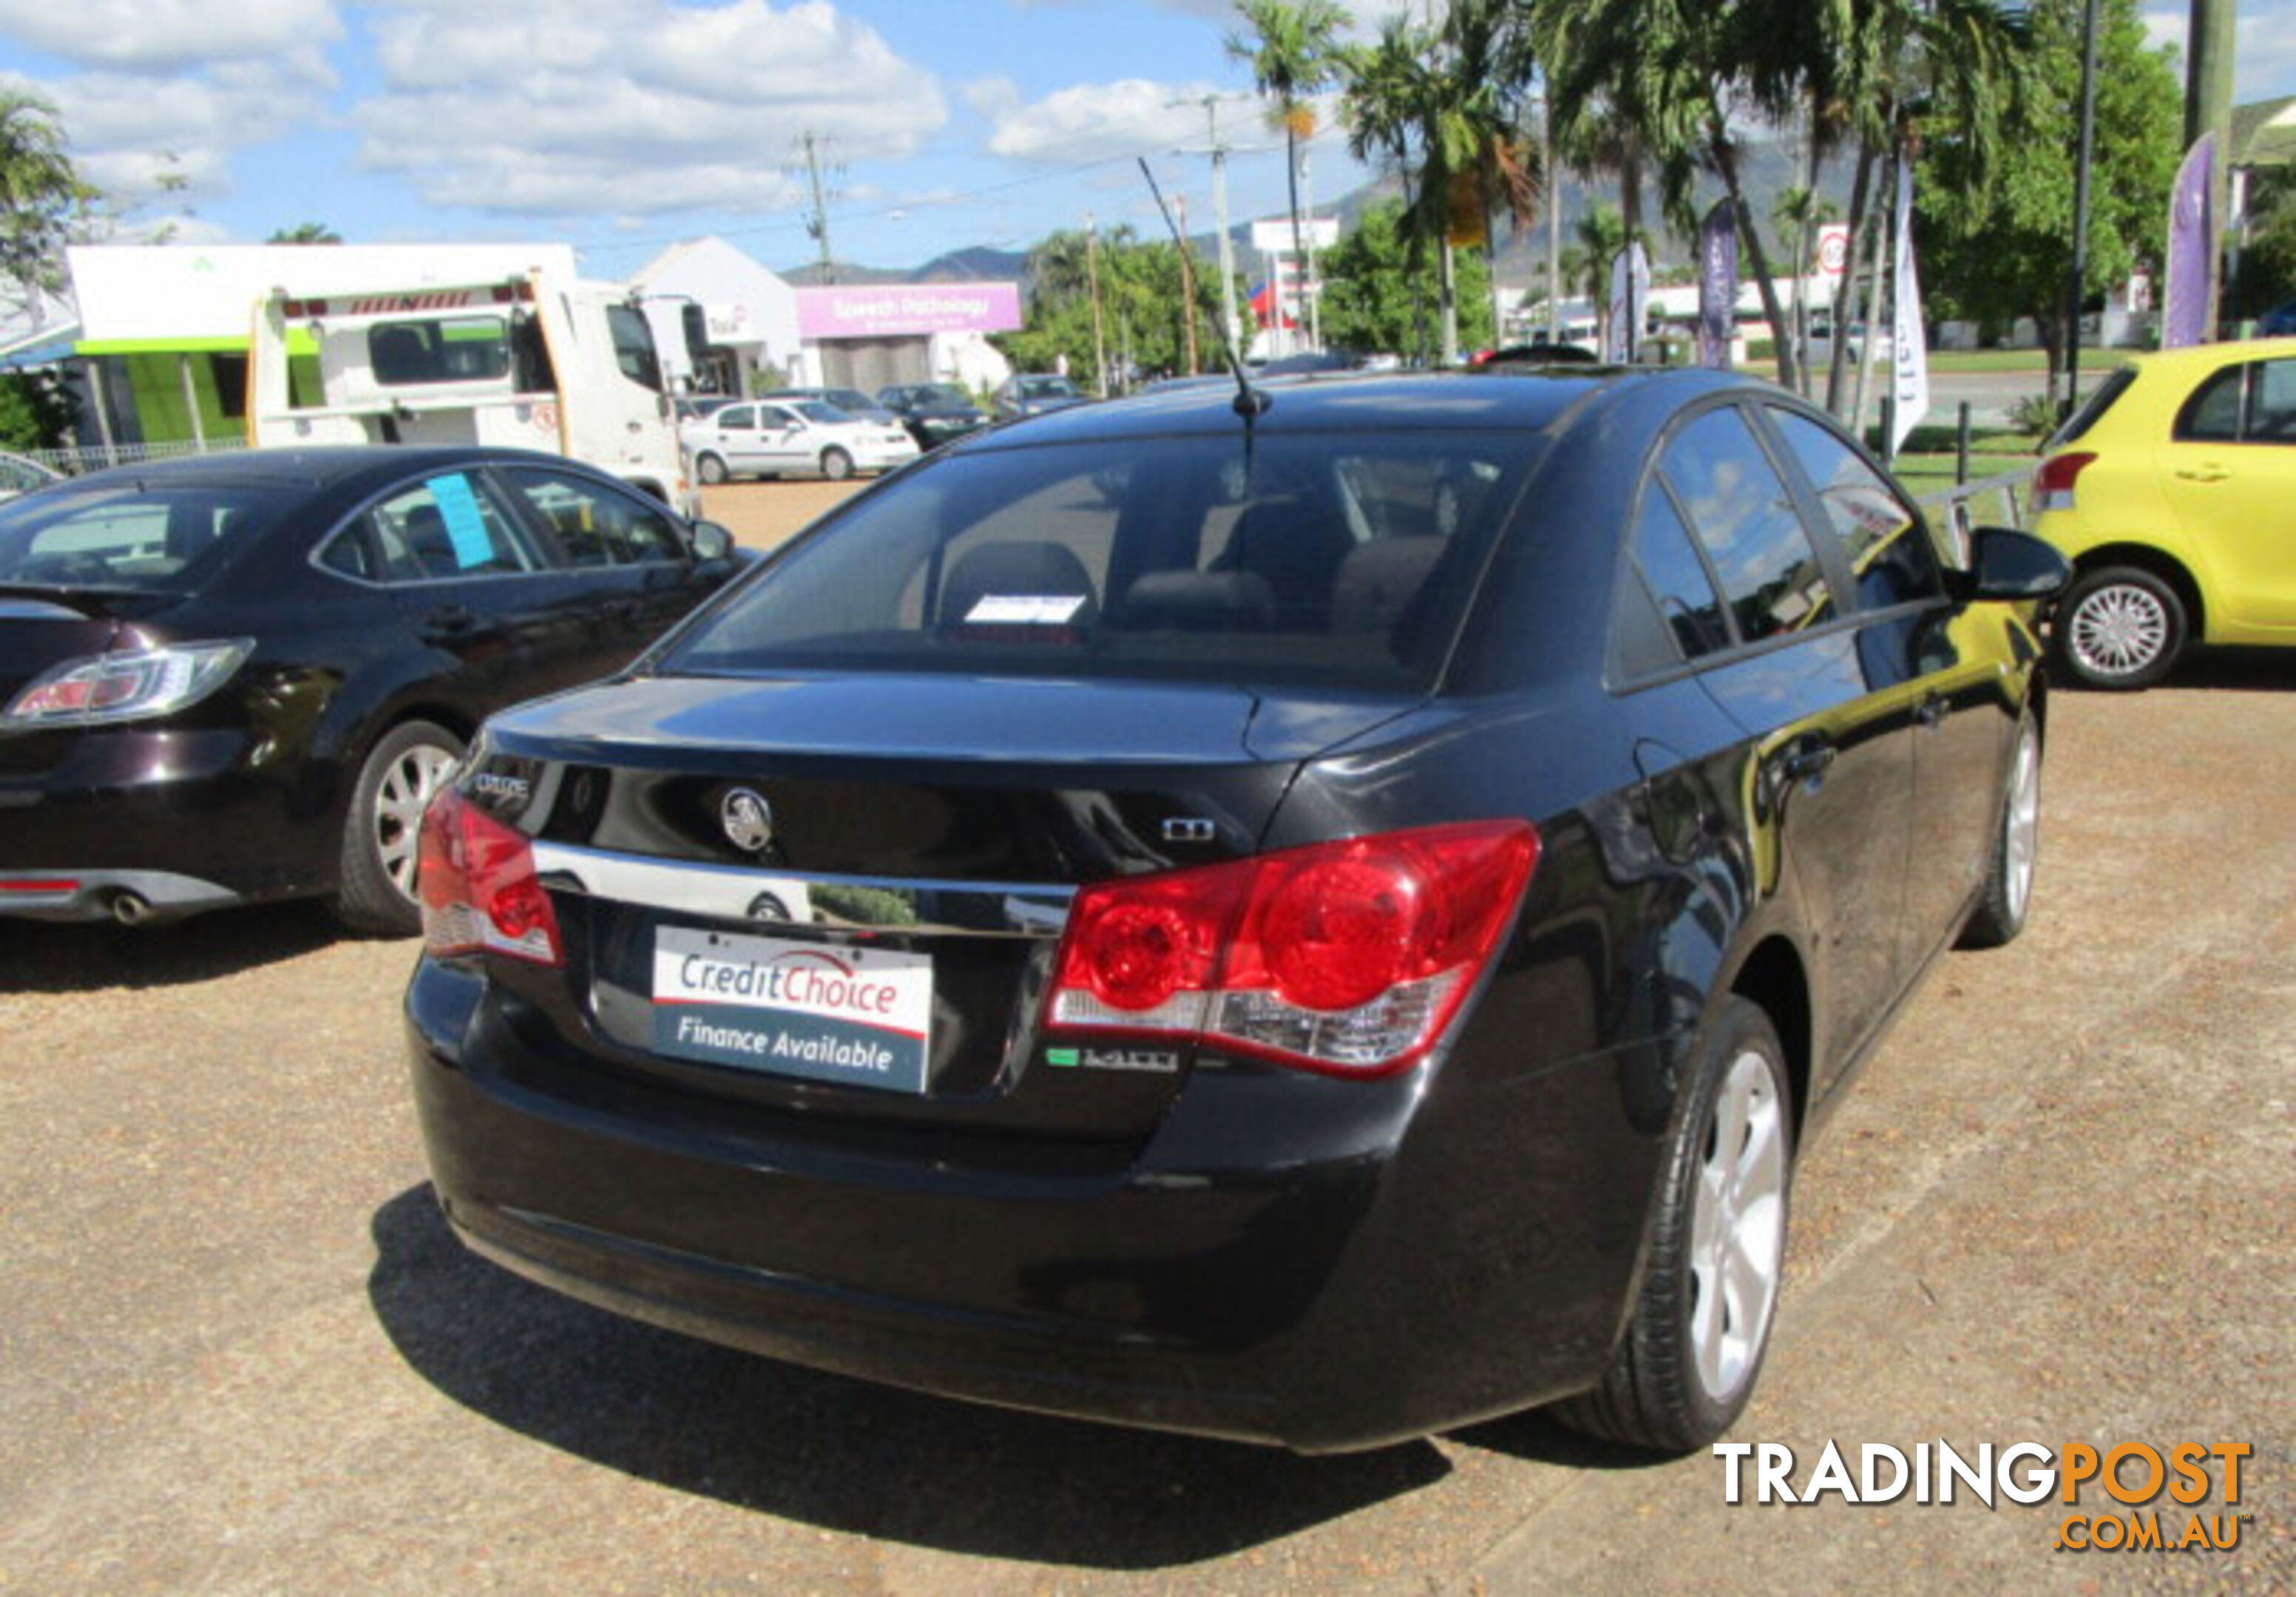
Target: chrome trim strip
868 903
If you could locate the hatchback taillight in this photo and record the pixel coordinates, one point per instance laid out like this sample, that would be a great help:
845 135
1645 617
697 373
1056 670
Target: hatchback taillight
2052 484
1348 957
475 878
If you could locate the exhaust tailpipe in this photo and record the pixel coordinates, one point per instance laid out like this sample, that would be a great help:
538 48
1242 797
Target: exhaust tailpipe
130 908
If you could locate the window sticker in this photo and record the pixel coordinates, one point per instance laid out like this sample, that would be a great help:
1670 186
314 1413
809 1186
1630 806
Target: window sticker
1024 609
466 528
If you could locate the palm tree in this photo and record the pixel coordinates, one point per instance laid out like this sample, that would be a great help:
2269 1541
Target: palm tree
1294 52
1439 109
40 194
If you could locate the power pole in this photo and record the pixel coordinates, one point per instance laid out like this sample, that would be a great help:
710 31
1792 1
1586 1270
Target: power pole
2077 289
1187 284
1092 273
1217 150
817 221
2211 37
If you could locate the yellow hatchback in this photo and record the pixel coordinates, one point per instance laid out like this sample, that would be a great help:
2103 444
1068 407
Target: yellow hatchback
2173 492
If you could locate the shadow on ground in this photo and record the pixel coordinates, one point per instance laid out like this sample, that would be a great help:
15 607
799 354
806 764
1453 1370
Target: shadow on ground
41 956
840 1454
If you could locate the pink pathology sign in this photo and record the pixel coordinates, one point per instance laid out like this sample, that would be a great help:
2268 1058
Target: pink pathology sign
894 310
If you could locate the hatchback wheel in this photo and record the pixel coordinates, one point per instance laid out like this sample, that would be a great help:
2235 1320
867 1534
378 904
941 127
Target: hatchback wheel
2118 628
382 832
2008 894
1702 1323
710 469
836 464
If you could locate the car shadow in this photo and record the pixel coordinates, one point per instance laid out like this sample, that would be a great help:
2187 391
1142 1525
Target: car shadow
42 956
840 1454
2235 670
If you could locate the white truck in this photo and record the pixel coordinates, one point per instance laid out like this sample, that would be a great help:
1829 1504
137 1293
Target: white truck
527 362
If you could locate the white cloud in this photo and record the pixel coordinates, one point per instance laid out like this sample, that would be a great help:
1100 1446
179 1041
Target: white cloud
1093 121
152 34
632 106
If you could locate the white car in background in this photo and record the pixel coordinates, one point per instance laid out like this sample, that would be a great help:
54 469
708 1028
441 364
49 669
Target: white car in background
791 438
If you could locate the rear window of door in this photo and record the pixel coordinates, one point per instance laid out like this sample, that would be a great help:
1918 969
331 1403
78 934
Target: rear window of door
438 529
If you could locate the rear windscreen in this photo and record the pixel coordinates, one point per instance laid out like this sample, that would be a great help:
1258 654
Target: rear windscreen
127 536
1328 559
2092 409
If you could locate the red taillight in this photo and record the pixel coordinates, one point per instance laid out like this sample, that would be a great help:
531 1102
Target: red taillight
2052 484
1348 958
475 878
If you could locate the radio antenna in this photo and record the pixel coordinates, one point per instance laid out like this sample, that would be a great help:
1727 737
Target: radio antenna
1249 402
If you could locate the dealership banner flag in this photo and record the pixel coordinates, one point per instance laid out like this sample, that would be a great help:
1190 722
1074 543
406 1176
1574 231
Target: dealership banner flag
1622 330
1909 348
2191 248
1717 284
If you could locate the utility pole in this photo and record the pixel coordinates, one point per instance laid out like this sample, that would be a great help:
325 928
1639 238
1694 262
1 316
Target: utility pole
1553 225
1229 325
2211 38
1187 284
1092 273
2077 289
817 221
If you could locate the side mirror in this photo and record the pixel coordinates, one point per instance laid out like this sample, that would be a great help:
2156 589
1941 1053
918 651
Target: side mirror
711 542
2007 564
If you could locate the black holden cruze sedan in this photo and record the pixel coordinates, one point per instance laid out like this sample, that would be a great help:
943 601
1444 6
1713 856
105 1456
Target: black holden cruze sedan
240 676
1312 915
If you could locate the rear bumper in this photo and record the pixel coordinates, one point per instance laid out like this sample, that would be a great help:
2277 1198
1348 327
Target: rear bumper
168 821
1377 1279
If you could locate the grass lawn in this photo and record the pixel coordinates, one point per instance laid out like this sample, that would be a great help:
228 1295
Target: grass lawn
1925 473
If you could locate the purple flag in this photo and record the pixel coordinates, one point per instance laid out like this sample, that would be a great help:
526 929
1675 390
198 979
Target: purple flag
1718 285
2192 249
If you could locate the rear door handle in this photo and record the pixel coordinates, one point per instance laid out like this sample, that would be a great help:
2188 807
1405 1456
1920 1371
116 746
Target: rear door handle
448 622
2210 473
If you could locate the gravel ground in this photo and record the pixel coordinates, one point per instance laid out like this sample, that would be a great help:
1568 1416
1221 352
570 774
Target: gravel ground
239 1353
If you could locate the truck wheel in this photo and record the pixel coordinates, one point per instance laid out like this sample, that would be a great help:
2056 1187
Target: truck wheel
1686 1365
2119 627
836 464
710 469
381 830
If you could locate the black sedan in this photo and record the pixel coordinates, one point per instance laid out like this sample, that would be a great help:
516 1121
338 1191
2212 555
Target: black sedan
241 677
934 413
1312 915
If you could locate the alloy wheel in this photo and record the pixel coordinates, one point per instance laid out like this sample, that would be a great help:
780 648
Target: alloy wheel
399 799
2118 630
1738 1227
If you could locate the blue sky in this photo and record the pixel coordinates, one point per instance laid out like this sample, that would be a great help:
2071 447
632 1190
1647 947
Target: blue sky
621 125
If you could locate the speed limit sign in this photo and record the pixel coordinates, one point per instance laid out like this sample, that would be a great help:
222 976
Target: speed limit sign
1832 250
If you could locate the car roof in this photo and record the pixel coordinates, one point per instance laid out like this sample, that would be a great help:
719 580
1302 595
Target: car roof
317 469
1530 398
2201 357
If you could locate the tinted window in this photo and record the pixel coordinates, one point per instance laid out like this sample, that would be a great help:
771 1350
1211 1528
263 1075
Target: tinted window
1743 517
1676 584
447 526
461 350
2212 414
124 536
1306 558
1881 536
596 525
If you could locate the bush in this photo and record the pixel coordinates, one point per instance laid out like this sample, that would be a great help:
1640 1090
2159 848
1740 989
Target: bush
2035 413
36 411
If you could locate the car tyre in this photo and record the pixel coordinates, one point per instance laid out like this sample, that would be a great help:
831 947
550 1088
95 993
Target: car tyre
2118 628
1688 1363
836 464
381 831
710 469
2007 897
